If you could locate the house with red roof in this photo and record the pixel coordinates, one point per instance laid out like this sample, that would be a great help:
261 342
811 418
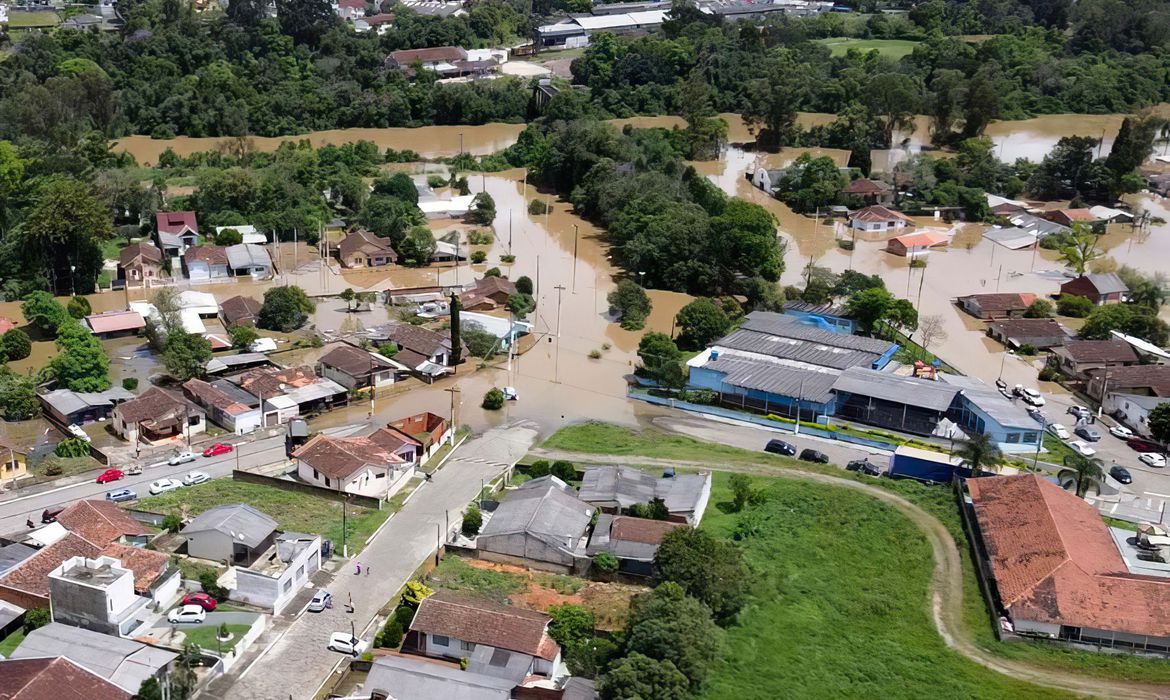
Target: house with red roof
879 219
869 191
54 678
376 465
998 305
176 231
116 324
429 430
1054 571
1068 217
918 244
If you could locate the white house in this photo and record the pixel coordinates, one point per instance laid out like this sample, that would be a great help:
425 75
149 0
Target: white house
237 411
1133 410
249 259
206 262
278 575
376 465
878 218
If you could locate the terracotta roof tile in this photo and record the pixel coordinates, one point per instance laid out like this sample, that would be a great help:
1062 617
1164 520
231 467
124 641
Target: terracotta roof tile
54 679
354 361
32 575
175 221
240 310
208 395
865 186
146 564
113 321
100 522
153 404
341 458
482 621
211 254
1155 378
1112 350
140 252
1004 301
366 242
878 213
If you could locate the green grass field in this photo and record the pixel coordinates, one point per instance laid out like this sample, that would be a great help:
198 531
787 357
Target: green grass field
893 49
20 20
292 510
9 643
205 637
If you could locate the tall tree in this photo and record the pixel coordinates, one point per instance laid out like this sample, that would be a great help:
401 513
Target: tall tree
305 20
456 330
708 569
979 452
61 235
773 99
894 98
1081 251
1134 143
1159 423
1085 471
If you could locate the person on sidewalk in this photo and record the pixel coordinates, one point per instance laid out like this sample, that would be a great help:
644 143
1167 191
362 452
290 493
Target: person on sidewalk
367 569
358 571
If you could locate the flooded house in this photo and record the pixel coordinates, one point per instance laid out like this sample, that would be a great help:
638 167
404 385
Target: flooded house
156 415
1099 288
140 263
877 218
362 248
176 231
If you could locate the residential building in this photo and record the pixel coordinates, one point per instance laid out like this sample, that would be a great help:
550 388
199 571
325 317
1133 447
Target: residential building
632 541
156 415
177 231
994 306
123 662
239 311
13 554
55 676
879 219
103 522
497 640
248 233
427 353
1068 217
1040 333
96 594
65 407
204 263
11 618
1141 380
616 489
447 61
362 248
354 368
1012 238
139 263
13 463
1133 410
828 316
227 364
376 465
735 10
1109 215
487 294
575 32
406 677
980 408
869 191
278 575
1054 572
1104 288
1149 353
249 259
236 534
918 244
541 524
1076 357
349 9
290 391
116 324
1041 227
429 430
224 407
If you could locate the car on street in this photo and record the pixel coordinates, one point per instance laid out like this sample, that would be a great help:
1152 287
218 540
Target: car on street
1059 431
121 495
1153 459
1140 445
811 455
1088 433
110 475
165 486
193 478
1031 396
1080 412
135 470
181 458
322 599
779 447
511 394
201 599
346 643
187 614
1036 414
218 448
1121 474
1083 448
863 466
1121 431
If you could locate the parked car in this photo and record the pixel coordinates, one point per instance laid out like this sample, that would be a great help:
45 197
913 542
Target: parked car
181 458
1083 448
1059 431
779 447
49 515
322 599
165 486
1141 445
864 466
346 643
811 455
1080 412
195 478
110 475
135 470
1088 433
76 431
1154 459
201 599
1121 431
1036 414
187 614
121 495
1121 474
218 448
1033 397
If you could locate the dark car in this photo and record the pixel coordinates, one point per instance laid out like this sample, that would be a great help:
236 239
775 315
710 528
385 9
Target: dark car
811 455
779 447
50 514
1121 474
1087 433
864 466
1141 445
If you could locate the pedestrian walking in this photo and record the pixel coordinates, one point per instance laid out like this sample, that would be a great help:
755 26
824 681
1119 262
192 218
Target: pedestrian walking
358 571
367 568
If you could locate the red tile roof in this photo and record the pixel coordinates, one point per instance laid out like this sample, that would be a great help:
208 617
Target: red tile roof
1004 301
210 254
482 621
341 458
114 321
273 381
1077 215
146 564
421 424
1153 378
879 213
922 238
1055 562
100 522
865 186
354 361
1112 350
54 679
141 253
432 55
628 529
175 221
154 404
240 310
207 395
366 242
32 575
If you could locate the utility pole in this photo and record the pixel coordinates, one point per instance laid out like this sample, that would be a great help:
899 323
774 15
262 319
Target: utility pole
452 391
557 362
575 232
509 231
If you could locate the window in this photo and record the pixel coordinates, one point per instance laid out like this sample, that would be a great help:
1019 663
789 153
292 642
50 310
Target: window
467 646
287 586
380 475
194 420
301 571
316 475
440 641
1031 438
1013 437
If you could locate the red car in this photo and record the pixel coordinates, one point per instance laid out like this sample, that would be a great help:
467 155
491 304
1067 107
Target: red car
110 475
201 599
1143 445
217 449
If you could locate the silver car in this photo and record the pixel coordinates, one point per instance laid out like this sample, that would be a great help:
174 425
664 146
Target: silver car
322 600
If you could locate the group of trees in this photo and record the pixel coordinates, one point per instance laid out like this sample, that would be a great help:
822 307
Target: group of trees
80 364
285 309
184 354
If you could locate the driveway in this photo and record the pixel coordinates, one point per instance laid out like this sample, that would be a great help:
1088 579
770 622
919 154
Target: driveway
293 660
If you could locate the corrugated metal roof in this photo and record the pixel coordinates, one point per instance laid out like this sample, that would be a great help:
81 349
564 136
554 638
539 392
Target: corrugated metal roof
123 662
988 399
791 327
936 396
240 521
544 508
808 352
775 378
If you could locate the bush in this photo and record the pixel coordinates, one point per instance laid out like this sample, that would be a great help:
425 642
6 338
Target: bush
53 469
509 258
1027 349
480 237
493 400
404 614
605 564
172 522
594 354
565 471
15 345
36 618
79 307
630 301
571 624
478 256
435 181
130 383
1074 306
472 521
918 263
1049 374
207 580
71 447
391 635
537 207
539 468
524 285
1041 308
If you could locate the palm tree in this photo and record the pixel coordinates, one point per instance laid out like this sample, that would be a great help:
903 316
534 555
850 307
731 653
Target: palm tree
979 452
1087 471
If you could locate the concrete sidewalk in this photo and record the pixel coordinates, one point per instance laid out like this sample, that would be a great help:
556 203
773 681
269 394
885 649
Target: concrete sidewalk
293 661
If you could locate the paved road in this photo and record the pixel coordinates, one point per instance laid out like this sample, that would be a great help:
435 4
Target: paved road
17 508
712 429
297 662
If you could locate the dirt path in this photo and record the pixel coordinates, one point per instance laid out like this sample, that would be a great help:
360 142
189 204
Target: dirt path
947 581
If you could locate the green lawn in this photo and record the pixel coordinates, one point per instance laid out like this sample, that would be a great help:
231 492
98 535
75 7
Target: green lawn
20 20
205 637
9 643
839 605
112 248
291 509
453 573
889 48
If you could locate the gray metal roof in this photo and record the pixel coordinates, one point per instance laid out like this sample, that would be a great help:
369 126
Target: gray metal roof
320 389
8 613
240 521
627 486
1042 227
1107 283
499 663
544 508
13 554
248 255
235 393
66 402
404 677
774 378
226 362
786 337
928 394
988 399
123 662
789 327
682 492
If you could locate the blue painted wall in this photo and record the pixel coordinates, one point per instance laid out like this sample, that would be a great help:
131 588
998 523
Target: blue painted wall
703 378
969 416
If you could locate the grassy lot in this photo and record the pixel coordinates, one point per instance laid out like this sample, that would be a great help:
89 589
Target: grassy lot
292 510
112 248
839 605
68 466
205 637
193 570
9 643
893 49
453 573
19 20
